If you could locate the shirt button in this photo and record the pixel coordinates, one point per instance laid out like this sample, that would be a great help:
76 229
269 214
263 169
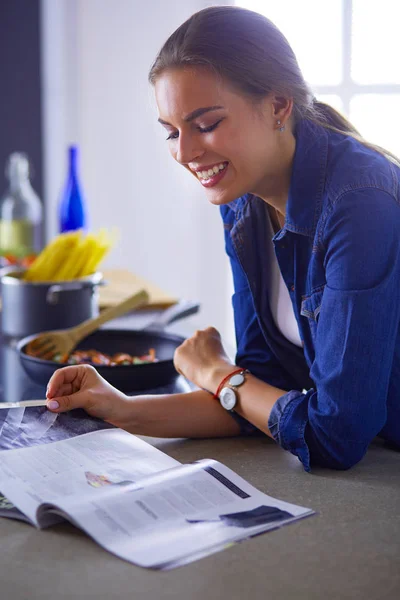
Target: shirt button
292 288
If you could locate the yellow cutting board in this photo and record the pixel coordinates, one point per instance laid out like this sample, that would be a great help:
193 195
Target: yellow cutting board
122 283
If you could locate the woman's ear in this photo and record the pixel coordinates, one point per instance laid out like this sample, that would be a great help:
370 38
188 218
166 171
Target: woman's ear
281 109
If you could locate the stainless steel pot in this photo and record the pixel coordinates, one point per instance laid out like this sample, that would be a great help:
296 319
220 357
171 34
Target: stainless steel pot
32 307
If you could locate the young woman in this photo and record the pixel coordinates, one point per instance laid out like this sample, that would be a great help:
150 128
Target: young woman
312 221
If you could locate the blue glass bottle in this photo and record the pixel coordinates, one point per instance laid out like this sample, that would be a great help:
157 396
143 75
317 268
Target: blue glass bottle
73 214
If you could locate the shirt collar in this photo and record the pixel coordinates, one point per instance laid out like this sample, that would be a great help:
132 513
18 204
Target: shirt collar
308 178
238 204
307 181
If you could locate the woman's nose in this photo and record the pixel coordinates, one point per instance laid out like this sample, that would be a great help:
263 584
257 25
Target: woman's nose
187 150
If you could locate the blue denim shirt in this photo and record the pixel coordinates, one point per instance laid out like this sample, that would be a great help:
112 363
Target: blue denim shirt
339 255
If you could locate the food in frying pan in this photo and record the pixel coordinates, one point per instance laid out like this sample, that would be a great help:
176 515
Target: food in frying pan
94 357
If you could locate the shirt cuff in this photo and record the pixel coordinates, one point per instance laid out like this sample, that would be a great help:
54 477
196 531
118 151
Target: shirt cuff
287 423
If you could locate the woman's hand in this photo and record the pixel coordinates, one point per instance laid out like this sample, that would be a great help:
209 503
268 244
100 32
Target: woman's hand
203 360
82 387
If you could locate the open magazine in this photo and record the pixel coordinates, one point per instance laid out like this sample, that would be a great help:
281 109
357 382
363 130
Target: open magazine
134 500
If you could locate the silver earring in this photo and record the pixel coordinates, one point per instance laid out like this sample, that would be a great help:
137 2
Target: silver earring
280 128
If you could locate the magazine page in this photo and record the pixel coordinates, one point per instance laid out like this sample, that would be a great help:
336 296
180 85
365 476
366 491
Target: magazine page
82 467
174 517
7 509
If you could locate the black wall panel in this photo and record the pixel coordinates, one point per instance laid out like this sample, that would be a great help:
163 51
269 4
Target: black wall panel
20 86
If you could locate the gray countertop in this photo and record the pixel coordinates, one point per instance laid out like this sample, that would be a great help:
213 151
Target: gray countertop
350 549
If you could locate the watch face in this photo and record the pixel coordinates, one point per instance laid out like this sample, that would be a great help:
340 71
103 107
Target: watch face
227 398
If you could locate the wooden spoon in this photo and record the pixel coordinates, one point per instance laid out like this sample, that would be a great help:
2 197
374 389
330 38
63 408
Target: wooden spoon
62 341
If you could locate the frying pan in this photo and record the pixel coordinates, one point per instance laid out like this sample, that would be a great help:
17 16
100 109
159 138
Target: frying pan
127 378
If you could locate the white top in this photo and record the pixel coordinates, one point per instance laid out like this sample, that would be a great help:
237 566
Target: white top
279 299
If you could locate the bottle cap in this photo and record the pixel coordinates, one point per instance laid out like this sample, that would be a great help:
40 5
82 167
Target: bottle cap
17 166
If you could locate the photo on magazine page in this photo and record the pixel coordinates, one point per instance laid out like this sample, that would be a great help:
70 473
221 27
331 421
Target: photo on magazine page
31 426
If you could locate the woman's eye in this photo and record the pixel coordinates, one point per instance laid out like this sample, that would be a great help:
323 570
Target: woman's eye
173 136
210 128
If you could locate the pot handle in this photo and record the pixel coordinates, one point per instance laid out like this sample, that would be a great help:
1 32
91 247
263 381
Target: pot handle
180 310
54 290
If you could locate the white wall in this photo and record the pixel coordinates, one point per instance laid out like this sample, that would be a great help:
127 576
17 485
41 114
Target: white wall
96 58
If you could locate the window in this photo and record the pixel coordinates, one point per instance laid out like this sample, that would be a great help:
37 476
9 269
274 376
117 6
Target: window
348 51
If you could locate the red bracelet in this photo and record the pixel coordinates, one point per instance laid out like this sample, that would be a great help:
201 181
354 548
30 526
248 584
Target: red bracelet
225 379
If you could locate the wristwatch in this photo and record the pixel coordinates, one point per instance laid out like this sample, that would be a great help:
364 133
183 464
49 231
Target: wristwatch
228 394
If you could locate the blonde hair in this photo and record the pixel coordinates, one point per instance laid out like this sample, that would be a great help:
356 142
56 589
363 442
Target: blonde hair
250 52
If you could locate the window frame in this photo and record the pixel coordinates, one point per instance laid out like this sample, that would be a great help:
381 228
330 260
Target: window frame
348 88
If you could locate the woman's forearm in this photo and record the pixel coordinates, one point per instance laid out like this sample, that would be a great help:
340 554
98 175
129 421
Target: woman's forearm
202 359
255 398
195 414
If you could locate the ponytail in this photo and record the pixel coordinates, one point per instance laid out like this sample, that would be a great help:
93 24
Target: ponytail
328 117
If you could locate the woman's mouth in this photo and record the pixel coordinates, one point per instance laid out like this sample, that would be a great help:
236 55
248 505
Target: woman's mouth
212 175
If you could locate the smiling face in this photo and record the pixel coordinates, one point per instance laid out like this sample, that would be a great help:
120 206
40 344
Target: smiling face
232 146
